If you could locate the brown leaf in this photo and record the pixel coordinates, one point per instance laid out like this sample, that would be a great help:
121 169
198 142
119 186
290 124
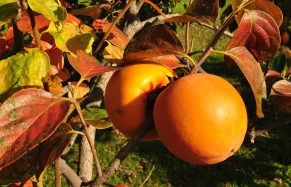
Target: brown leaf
171 61
27 118
204 10
82 90
282 88
36 160
263 5
93 11
271 77
154 41
253 73
88 66
259 33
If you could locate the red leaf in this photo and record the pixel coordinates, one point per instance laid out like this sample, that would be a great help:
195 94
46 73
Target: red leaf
65 4
116 37
56 57
282 88
154 41
24 23
259 33
27 118
253 73
88 66
35 161
263 5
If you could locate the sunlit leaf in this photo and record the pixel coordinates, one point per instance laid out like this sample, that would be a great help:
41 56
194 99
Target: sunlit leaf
27 118
24 23
282 88
204 10
88 66
171 61
263 5
49 8
72 37
23 69
116 37
8 9
54 84
36 160
154 41
92 11
95 117
259 33
113 54
253 73
82 90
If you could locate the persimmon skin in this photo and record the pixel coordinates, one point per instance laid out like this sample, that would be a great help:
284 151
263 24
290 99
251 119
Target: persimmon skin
126 95
201 119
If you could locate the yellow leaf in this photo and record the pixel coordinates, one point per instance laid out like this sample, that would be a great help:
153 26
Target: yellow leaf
113 54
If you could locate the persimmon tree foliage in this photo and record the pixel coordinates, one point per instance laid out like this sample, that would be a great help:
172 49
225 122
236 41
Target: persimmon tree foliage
49 56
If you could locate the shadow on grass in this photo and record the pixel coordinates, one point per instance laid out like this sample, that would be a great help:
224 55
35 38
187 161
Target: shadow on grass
265 163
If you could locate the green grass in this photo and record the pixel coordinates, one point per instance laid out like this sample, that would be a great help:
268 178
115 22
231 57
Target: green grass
265 163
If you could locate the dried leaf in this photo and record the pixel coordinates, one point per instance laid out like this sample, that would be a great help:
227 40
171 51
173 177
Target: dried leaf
282 88
92 11
23 69
113 54
36 160
263 5
49 8
204 10
154 41
27 118
253 73
88 66
259 33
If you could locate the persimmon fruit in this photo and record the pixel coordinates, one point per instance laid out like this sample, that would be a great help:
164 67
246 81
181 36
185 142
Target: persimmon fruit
201 119
126 95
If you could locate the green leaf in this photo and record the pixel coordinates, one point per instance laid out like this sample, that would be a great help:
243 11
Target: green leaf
8 9
49 8
72 37
96 117
23 69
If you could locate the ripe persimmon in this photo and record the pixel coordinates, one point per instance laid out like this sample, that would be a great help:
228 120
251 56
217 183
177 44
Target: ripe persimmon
201 119
126 95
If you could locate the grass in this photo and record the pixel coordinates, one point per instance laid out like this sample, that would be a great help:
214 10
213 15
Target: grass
265 163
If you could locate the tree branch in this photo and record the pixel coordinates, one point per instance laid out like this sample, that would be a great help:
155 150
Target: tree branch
34 27
69 173
123 153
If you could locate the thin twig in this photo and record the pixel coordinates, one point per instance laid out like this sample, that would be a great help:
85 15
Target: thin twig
187 34
58 173
17 37
120 15
213 41
34 27
123 153
90 141
147 178
217 35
